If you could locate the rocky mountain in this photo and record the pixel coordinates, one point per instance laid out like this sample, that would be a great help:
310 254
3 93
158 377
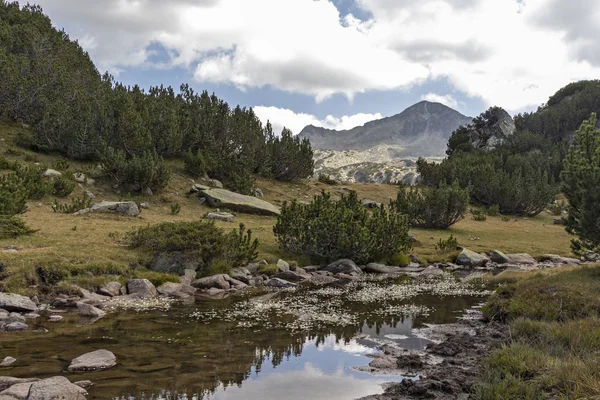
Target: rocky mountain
421 130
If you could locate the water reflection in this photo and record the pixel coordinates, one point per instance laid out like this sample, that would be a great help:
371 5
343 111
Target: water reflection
167 355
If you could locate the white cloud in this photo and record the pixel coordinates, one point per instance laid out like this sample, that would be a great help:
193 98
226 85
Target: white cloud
282 117
510 53
448 99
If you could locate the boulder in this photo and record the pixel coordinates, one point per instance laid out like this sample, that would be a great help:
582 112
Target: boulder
238 202
127 208
19 391
93 361
89 311
56 388
212 282
111 289
279 283
7 381
84 384
343 267
521 258
79 177
283 266
499 257
258 193
298 275
221 216
178 290
471 259
51 173
234 283
369 203
188 276
55 318
7 361
196 188
318 279
141 288
16 302
431 271
16 327
556 259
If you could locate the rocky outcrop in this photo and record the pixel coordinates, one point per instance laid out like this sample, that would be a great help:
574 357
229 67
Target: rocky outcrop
16 302
176 290
238 202
221 216
93 361
210 282
520 258
127 208
141 288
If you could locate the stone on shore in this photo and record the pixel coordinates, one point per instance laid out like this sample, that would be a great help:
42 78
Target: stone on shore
283 266
238 202
212 282
16 302
298 275
56 388
177 290
141 288
279 283
521 258
89 311
471 259
343 267
111 289
93 361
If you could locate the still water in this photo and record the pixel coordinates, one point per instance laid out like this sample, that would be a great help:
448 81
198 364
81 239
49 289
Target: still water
183 354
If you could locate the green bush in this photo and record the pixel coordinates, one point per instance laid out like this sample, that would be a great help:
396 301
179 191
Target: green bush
77 204
13 196
196 241
194 163
328 230
478 214
63 186
147 170
557 208
493 211
12 227
446 245
37 187
62 164
175 209
437 208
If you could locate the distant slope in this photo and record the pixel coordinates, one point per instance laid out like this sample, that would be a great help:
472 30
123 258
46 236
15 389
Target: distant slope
421 130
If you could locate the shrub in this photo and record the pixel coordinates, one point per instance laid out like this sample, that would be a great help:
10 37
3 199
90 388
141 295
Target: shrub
12 227
63 186
139 172
77 204
446 245
432 207
194 163
478 214
196 241
327 230
326 179
269 270
37 187
13 196
62 164
493 211
175 209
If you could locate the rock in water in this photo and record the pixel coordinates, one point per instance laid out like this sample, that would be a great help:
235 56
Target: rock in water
238 202
56 388
94 361
7 381
141 288
128 208
16 302
89 311
7 361
471 259
178 290
342 267
19 391
279 283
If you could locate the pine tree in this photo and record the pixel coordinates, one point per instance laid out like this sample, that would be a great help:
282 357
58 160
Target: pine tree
581 186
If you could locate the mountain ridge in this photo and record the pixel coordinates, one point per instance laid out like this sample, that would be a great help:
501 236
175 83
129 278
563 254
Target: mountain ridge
422 129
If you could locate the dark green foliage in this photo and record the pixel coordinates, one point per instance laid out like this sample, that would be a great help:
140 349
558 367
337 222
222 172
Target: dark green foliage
518 184
478 214
290 157
62 164
8 165
326 179
581 187
175 208
558 208
197 241
12 227
76 204
560 117
147 170
13 196
430 207
62 187
446 245
476 135
327 230
493 211
194 163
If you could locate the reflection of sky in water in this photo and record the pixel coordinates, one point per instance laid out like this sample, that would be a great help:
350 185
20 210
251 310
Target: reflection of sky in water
323 372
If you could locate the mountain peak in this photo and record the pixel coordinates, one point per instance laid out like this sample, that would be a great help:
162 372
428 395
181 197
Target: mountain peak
422 129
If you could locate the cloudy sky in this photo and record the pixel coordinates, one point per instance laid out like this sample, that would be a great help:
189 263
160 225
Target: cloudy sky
341 63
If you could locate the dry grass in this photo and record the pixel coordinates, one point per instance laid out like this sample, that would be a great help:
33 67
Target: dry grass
84 240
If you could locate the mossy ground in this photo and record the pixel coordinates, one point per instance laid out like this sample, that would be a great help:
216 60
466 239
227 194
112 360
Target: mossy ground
555 337
82 243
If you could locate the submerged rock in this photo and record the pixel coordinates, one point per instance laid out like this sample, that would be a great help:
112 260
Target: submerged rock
93 361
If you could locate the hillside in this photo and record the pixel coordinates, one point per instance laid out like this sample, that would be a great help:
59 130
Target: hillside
421 130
